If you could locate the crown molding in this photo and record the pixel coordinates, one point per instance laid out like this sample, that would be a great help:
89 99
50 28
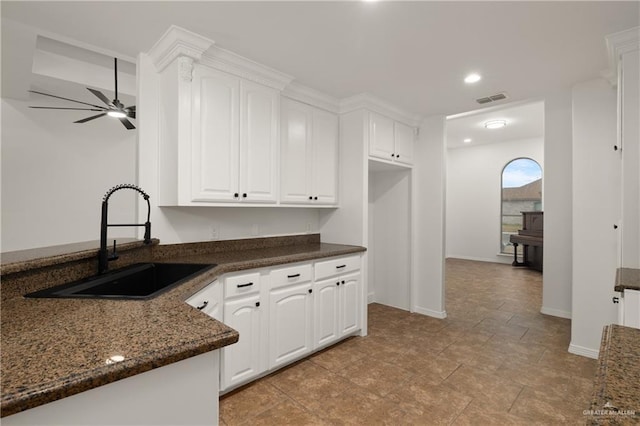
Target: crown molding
307 95
618 44
175 42
370 102
230 62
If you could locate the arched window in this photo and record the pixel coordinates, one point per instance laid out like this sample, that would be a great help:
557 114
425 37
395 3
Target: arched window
521 192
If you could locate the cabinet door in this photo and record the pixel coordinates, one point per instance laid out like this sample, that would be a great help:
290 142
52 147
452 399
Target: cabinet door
215 143
290 332
631 312
209 300
259 112
350 290
326 312
381 136
404 137
325 158
241 361
295 152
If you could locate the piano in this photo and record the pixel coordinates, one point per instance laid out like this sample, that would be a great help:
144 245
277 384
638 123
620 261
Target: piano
531 238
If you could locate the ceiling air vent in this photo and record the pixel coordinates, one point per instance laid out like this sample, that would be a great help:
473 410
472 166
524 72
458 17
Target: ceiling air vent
492 98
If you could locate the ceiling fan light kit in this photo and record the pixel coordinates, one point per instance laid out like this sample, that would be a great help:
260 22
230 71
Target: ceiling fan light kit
113 108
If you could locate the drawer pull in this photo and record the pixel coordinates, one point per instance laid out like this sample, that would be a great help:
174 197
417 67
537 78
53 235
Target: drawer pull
204 305
244 285
293 276
340 266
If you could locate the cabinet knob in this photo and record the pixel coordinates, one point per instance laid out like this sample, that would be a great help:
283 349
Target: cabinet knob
342 281
398 156
393 155
236 195
615 226
338 283
315 198
615 300
615 147
310 197
257 304
310 291
244 195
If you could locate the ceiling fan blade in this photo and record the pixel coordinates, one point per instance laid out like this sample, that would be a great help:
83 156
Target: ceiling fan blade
66 99
84 120
100 96
74 109
127 123
131 111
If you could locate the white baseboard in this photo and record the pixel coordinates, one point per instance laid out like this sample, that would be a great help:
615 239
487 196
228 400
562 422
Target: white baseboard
430 312
581 350
483 259
555 312
371 297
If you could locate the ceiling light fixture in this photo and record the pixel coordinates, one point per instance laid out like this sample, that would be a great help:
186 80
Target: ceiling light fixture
495 124
467 140
116 114
472 78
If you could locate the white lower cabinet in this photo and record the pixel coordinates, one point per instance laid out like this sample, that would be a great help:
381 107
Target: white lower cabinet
290 319
629 309
336 308
243 360
282 314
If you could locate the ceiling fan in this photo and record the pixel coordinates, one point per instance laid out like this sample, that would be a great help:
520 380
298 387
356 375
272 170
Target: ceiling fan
114 108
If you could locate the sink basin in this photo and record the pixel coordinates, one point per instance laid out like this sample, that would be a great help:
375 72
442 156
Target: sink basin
138 281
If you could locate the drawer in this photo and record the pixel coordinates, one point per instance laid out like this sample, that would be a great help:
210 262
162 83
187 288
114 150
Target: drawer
291 275
242 284
336 266
209 300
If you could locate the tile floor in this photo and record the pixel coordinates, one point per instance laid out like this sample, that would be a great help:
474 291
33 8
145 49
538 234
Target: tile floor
494 360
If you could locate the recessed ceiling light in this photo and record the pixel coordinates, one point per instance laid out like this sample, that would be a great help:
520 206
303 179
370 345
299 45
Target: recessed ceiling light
495 124
467 140
472 78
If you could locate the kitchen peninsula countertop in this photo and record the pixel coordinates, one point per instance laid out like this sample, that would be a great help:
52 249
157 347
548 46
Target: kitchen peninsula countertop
54 348
616 397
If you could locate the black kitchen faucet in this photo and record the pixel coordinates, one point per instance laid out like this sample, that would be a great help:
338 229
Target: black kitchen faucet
103 254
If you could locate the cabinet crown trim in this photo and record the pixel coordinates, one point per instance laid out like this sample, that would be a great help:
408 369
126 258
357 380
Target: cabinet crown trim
372 103
617 44
225 60
307 95
175 42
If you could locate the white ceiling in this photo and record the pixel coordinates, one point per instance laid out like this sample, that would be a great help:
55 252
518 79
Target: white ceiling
524 121
412 54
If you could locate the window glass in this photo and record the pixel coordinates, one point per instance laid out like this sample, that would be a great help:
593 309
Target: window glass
521 192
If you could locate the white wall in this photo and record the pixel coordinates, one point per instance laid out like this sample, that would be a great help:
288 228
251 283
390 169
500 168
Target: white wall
428 216
596 207
55 173
190 224
557 179
389 241
474 196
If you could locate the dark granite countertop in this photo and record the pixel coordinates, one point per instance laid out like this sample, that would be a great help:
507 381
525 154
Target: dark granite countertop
627 278
54 348
616 397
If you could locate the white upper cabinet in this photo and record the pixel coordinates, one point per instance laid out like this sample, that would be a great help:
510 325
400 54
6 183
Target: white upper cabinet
404 138
381 138
259 114
390 140
215 144
308 155
234 139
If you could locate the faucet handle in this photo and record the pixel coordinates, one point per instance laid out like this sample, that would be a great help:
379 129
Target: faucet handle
114 254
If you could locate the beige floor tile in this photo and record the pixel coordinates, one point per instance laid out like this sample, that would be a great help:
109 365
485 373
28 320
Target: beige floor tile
358 407
286 413
376 376
309 384
495 392
529 405
477 414
337 357
533 375
244 404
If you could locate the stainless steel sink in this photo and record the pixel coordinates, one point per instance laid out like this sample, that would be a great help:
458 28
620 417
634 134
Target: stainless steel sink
138 281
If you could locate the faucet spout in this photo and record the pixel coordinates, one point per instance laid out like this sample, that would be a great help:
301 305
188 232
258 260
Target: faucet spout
103 255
